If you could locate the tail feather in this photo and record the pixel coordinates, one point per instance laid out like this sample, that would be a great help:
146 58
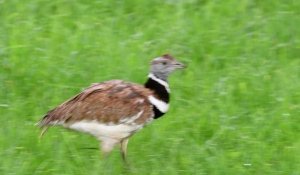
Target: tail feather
43 124
44 130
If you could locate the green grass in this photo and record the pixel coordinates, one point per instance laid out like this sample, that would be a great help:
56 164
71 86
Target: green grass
235 110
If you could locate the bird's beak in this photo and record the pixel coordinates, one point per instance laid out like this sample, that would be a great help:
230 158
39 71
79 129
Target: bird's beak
179 65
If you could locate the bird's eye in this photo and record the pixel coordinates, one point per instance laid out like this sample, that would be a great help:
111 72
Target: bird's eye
164 63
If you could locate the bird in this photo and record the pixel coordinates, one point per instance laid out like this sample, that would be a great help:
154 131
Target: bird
114 110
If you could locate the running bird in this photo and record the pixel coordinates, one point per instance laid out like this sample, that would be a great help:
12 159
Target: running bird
114 110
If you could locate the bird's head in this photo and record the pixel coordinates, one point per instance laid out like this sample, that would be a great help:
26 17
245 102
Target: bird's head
162 66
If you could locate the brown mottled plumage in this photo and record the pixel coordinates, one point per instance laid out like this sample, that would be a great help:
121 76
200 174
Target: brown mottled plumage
107 102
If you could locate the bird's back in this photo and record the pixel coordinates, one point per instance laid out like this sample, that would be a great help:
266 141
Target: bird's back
111 103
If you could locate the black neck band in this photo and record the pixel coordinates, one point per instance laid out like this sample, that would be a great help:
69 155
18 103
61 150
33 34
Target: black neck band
159 89
161 92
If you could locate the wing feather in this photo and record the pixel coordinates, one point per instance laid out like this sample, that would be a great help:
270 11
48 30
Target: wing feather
107 102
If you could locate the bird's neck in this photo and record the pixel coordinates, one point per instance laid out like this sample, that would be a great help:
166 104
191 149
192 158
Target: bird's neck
159 86
162 95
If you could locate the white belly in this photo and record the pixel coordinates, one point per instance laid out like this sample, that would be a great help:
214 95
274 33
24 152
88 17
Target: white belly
105 131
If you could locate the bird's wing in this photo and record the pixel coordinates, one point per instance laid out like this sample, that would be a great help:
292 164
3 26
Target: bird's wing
109 102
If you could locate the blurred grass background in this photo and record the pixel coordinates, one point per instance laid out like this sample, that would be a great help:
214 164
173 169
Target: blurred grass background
235 110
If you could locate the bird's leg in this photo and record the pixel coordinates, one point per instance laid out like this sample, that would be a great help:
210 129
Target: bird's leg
123 147
107 147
